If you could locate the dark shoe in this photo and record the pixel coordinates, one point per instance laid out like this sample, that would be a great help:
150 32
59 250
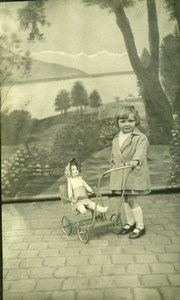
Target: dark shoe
99 217
138 233
125 230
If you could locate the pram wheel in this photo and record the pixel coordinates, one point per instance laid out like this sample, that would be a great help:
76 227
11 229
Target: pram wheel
83 233
116 223
66 226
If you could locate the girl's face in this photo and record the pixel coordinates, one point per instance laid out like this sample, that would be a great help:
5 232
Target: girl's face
127 125
74 171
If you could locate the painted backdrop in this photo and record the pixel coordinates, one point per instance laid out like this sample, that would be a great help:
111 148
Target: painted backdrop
61 84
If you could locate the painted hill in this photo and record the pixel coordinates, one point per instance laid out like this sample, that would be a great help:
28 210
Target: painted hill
40 71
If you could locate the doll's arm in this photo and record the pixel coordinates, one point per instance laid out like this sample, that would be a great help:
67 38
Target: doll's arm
70 192
88 188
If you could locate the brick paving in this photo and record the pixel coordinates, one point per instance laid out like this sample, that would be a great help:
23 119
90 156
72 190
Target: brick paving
40 262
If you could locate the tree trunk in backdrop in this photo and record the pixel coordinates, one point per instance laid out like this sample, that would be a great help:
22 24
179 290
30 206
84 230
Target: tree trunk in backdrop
157 106
158 110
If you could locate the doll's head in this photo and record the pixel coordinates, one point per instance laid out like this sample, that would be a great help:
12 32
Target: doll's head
73 168
124 112
74 171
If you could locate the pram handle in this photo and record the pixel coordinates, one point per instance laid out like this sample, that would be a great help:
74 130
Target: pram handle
115 169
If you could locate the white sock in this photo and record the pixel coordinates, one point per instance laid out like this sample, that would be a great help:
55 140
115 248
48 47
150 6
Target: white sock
129 214
138 217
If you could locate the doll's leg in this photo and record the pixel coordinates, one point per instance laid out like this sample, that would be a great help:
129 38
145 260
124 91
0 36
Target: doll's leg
99 208
81 208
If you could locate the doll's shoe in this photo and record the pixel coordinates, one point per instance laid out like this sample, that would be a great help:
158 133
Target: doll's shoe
127 228
100 217
137 233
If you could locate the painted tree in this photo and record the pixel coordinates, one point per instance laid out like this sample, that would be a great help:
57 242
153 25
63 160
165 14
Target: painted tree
32 18
16 127
170 71
62 101
170 55
95 100
15 63
79 95
177 102
170 67
173 10
174 170
158 108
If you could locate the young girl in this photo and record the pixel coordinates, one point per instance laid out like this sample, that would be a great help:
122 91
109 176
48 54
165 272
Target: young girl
78 189
129 148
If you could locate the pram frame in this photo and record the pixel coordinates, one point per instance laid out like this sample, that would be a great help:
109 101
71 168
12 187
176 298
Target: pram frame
84 228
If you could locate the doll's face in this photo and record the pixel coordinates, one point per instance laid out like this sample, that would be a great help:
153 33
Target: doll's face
74 171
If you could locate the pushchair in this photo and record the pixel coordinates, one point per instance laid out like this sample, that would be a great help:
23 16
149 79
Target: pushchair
85 225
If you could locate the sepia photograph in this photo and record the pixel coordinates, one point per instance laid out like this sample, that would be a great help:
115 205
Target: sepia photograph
90 149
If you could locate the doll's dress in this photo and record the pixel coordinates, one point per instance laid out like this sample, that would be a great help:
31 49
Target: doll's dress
79 192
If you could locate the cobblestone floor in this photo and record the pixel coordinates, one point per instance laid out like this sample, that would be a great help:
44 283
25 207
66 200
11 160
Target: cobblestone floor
40 262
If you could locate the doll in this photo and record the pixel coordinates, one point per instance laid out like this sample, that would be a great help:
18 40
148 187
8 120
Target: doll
78 189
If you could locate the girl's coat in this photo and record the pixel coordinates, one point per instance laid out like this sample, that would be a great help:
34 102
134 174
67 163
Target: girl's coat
133 148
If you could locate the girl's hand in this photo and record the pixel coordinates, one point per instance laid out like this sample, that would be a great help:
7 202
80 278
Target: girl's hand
133 164
92 193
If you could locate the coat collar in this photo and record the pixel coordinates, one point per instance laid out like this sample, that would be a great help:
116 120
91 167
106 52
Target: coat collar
136 131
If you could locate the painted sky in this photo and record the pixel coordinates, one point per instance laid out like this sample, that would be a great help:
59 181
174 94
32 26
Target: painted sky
76 28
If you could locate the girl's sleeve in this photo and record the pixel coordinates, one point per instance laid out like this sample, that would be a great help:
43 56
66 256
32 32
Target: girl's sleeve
88 188
141 149
112 160
112 157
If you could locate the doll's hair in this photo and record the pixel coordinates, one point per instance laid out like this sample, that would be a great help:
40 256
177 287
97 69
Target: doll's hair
124 112
73 162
